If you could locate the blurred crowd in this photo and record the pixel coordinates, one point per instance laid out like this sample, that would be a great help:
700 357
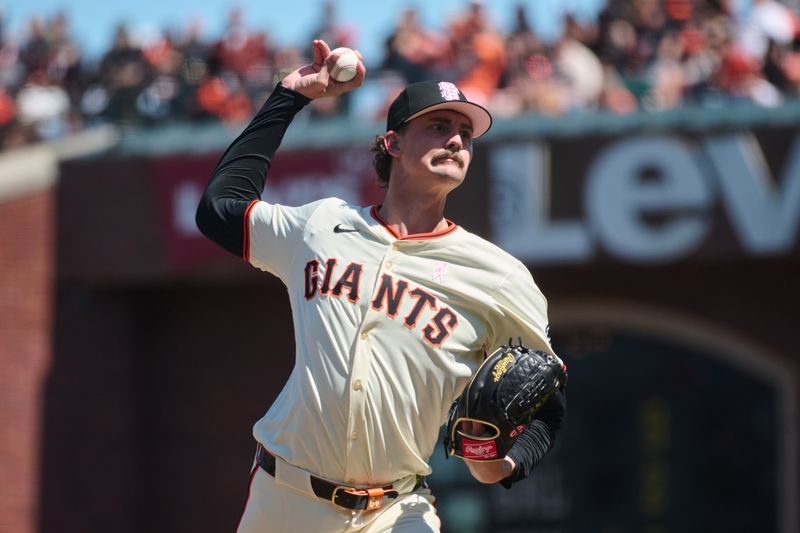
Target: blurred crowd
636 54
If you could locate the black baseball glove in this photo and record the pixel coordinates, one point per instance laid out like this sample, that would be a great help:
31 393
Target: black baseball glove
503 395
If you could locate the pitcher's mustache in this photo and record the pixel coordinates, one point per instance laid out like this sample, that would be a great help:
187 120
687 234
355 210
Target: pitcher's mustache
448 155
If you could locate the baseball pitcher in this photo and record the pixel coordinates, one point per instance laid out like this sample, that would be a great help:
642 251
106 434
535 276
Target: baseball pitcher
395 308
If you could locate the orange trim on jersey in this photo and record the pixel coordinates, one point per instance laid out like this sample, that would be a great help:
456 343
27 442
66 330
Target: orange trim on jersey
246 240
451 227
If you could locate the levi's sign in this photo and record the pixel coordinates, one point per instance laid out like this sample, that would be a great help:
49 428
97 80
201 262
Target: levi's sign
649 199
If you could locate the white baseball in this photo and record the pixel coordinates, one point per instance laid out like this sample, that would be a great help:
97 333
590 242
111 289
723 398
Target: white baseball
345 67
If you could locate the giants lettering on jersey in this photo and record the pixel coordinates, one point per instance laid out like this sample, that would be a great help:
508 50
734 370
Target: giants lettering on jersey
387 298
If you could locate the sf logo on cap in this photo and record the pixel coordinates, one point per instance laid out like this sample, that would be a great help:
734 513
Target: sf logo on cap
449 91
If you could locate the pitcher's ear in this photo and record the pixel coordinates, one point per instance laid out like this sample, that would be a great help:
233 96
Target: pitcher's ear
391 141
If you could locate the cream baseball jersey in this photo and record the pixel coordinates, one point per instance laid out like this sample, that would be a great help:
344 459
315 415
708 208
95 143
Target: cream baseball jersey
388 331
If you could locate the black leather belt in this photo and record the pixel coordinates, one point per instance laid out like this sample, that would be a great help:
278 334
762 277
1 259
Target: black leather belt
341 495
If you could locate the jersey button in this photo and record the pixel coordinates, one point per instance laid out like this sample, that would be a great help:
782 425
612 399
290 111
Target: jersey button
354 435
357 385
364 335
388 265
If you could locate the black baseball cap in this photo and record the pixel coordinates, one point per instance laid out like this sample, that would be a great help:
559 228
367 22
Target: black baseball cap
426 96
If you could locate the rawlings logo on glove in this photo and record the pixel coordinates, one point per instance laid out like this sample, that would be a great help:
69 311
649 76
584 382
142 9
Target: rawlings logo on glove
501 399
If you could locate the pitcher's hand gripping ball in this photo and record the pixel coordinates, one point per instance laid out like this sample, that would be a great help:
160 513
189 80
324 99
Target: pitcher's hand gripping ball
503 395
345 67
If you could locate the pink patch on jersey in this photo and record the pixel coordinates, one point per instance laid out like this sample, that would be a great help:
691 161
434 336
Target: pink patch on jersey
479 449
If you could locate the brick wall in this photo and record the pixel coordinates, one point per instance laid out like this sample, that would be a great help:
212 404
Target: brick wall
26 281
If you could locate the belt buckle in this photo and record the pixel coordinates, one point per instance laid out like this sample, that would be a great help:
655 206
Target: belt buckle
374 496
333 494
343 488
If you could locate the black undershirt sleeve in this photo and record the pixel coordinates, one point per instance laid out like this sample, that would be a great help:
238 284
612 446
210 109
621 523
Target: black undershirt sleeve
538 438
241 173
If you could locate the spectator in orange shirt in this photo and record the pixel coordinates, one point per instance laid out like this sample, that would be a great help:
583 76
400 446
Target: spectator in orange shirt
480 55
